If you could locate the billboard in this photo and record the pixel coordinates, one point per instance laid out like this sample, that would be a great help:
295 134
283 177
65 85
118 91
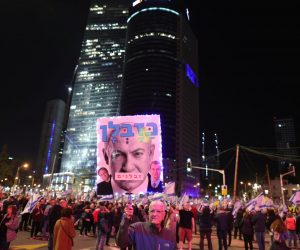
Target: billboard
129 155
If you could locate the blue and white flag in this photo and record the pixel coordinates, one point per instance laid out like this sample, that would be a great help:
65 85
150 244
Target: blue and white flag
170 189
107 198
34 199
157 196
260 201
236 207
295 198
184 199
250 206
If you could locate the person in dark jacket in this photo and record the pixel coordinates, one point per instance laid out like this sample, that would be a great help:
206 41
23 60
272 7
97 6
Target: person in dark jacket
222 227
146 235
230 223
205 218
271 217
36 215
259 222
247 230
54 215
237 223
279 230
298 224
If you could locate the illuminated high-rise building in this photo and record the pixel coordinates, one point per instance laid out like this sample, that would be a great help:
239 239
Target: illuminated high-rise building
50 138
161 77
285 142
97 85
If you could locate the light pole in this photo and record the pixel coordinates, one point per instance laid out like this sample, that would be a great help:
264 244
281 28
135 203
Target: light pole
32 179
281 182
17 178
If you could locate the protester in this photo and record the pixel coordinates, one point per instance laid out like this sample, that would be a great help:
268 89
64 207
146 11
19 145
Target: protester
237 224
290 223
247 230
8 227
146 235
103 227
86 217
205 217
259 222
54 215
279 231
271 217
222 227
186 225
25 216
36 215
172 219
116 219
298 224
64 231
109 217
230 224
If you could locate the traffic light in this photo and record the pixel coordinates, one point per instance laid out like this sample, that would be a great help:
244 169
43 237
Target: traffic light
188 165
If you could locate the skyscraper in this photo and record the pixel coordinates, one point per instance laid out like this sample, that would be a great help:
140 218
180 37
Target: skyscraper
161 77
97 86
50 138
285 141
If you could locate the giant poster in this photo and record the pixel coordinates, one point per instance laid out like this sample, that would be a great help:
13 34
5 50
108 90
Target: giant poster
129 155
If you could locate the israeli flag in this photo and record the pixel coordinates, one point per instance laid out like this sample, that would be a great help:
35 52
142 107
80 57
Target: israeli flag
295 198
34 199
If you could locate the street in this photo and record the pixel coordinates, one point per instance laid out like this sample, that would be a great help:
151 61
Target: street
23 242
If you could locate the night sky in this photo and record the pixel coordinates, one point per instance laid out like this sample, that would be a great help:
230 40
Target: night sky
249 64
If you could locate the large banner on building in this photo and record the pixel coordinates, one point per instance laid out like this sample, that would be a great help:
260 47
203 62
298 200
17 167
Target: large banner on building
129 155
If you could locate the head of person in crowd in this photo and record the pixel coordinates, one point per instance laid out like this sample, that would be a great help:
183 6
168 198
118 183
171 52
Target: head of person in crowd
63 203
157 213
11 210
66 212
186 206
206 210
132 154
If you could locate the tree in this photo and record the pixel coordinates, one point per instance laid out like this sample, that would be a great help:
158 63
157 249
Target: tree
7 166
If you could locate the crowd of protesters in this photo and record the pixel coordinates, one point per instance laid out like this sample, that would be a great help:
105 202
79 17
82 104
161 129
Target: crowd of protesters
56 221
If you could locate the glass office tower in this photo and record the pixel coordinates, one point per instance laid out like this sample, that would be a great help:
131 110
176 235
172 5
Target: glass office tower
50 138
285 142
97 86
161 77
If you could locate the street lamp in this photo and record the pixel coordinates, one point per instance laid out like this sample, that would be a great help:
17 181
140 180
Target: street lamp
31 177
17 179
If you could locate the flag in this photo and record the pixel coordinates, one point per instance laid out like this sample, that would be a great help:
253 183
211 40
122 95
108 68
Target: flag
295 198
34 199
157 196
184 199
236 207
250 206
170 189
107 198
